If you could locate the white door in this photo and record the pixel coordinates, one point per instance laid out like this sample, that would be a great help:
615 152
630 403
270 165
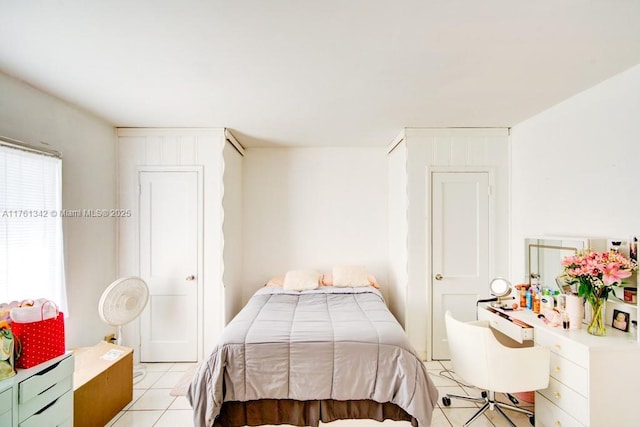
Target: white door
460 249
169 222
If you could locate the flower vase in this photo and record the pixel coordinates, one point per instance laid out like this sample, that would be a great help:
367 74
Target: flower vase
596 325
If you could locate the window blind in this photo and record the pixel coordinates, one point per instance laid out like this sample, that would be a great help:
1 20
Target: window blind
31 244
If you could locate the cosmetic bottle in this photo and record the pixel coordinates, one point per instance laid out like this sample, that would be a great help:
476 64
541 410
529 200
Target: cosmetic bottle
546 300
565 321
529 300
535 282
536 302
556 295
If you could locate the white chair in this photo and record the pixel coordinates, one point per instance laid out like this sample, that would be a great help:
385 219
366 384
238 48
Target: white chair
483 361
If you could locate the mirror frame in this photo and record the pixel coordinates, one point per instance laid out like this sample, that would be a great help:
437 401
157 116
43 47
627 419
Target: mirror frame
534 244
506 292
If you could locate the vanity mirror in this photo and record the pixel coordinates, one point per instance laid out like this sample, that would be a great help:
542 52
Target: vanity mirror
501 288
544 258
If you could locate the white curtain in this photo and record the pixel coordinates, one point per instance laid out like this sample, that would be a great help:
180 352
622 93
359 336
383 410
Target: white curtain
31 245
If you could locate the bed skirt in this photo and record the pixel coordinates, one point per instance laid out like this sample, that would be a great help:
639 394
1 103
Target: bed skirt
306 413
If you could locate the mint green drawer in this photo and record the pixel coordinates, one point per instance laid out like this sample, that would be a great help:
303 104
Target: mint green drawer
59 412
38 383
36 404
6 418
6 402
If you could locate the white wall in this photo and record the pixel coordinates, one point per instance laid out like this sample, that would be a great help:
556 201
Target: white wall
575 167
88 182
313 208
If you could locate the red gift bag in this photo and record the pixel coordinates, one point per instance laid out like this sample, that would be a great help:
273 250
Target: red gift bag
40 341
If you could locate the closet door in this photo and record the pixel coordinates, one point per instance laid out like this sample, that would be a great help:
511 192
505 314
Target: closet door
170 221
460 249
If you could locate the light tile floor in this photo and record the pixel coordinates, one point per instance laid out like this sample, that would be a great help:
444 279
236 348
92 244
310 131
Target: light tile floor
152 406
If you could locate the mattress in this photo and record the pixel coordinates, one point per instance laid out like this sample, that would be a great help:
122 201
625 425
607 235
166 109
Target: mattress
327 344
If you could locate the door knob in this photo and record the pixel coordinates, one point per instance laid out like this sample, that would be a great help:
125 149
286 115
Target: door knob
438 276
192 277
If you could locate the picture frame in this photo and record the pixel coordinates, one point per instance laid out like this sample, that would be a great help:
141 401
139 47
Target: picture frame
620 320
633 248
620 245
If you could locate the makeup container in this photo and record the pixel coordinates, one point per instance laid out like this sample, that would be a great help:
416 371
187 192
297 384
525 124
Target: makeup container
630 295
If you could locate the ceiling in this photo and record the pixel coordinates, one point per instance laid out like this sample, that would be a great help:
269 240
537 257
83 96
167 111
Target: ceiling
317 73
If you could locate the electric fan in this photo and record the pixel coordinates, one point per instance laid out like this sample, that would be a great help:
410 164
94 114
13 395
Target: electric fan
122 302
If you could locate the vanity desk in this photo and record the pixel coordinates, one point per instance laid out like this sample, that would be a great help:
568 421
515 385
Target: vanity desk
594 381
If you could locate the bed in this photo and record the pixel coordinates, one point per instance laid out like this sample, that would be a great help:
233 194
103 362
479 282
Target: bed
299 358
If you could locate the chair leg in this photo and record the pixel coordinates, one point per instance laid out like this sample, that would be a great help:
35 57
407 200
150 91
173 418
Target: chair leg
501 412
512 398
467 398
514 408
490 404
477 414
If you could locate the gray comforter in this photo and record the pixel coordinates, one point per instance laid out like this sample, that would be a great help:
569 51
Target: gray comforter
329 343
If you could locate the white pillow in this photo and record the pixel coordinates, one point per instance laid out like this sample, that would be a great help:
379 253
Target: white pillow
301 280
350 276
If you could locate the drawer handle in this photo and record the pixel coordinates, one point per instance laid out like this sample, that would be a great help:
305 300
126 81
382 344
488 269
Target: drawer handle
46 407
49 368
558 423
558 346
557 369
47 389
558 395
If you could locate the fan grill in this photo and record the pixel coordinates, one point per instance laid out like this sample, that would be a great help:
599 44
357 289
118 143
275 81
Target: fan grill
123 301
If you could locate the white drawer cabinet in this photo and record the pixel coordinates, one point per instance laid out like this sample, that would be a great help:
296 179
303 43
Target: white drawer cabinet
563 345
567 372
565 401
593 380
41 396
549 414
